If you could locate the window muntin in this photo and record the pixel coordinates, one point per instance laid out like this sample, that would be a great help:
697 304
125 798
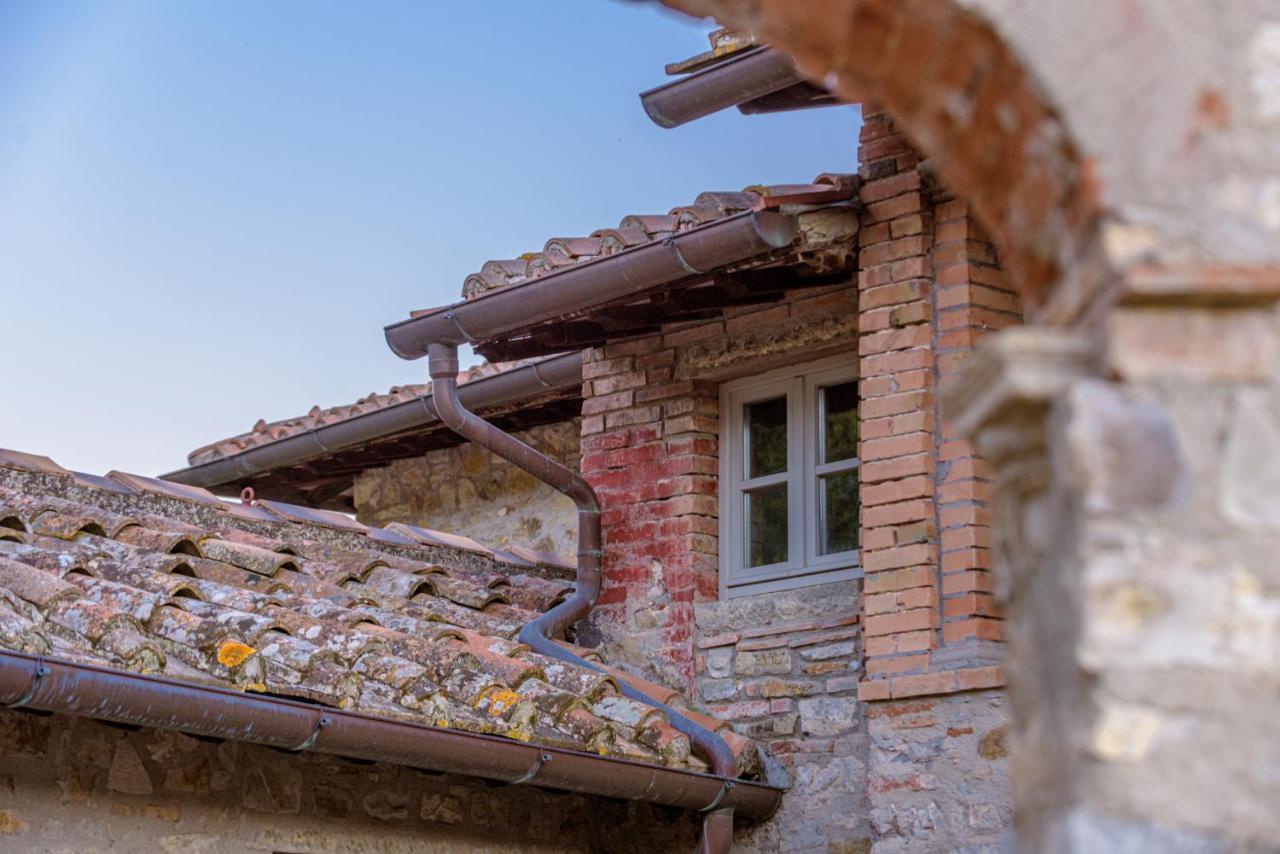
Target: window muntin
789 478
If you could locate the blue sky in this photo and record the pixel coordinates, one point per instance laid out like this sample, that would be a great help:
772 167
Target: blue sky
208 211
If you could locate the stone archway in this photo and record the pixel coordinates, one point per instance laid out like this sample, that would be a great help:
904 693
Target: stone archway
1123 157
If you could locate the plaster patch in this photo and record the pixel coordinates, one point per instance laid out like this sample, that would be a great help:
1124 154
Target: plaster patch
1264 71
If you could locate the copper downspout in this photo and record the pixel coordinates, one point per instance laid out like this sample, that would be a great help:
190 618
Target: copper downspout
539 633
87 690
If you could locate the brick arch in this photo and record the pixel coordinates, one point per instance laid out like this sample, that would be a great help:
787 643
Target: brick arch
964 99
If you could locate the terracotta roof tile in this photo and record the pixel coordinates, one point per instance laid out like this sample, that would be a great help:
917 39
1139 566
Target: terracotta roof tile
160 581
635 229
265 431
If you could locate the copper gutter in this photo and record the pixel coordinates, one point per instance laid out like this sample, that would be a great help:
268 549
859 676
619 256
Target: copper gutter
590 284
540 633
509 386
86 690
751 74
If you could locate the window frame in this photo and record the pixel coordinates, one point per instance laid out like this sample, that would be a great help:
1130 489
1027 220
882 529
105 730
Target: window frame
804 566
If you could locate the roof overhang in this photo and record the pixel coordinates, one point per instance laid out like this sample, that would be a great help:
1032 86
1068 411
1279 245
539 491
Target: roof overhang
760 79
318 467
748 257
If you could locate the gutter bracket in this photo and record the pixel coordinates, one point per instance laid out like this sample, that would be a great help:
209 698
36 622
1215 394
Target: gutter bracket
670 242
37 673
724 790
543 757
466 336
310 740
537 375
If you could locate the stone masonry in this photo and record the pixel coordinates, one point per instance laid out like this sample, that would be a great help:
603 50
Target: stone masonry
466 489
72 784
784 667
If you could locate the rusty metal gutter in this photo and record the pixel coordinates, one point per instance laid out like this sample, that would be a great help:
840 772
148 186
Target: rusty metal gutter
510 386
86 690
540 634
594 283
752 74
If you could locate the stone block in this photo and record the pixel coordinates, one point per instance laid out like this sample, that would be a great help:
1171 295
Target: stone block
763 662
824 716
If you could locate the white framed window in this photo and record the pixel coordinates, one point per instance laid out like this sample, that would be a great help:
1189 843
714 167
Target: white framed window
789 478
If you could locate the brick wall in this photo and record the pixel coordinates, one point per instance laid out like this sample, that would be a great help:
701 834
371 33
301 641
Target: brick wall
650 447
921 625
929 288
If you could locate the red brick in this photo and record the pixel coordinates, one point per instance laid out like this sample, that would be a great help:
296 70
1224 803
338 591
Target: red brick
977 627
967 581
896 490
894 446
606 367
892 294
903 621
966 559
895 514
869 691
897 664
899 557
971 604
920 335
891 469
900 579
884 188
900 600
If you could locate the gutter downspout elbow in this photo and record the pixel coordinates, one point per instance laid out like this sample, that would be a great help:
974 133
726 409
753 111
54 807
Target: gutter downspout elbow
540 633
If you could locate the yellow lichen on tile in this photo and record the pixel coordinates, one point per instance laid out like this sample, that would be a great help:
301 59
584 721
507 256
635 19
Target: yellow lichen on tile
233 653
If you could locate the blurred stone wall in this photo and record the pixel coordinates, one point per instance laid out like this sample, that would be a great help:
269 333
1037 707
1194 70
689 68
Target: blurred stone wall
76 785
467 490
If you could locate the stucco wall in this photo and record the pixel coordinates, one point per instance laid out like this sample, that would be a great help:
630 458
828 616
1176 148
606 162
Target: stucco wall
467 490
74 785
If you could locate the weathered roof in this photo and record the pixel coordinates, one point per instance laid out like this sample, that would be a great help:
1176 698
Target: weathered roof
315 459
265 431
148 576
637 229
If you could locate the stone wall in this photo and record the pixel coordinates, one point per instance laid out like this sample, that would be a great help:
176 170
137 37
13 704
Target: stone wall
1138 482
467 490
784 668
937 775
71 784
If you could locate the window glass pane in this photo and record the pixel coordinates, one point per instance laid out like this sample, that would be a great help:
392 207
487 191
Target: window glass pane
766 439
766 515
839 421
838 512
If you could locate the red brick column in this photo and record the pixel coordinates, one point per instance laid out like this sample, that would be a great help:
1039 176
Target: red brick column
649 447
972 298
929 287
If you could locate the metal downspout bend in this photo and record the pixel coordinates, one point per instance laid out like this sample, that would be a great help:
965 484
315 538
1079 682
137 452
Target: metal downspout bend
540 633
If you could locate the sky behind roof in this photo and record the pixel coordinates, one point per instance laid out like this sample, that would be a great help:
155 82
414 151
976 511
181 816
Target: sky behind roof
208 211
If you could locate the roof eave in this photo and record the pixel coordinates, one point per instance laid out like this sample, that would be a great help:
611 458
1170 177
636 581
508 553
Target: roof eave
743 78
590 284
509 386
85 690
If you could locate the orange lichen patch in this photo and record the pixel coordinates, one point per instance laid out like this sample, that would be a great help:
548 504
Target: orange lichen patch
233 653
499 701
